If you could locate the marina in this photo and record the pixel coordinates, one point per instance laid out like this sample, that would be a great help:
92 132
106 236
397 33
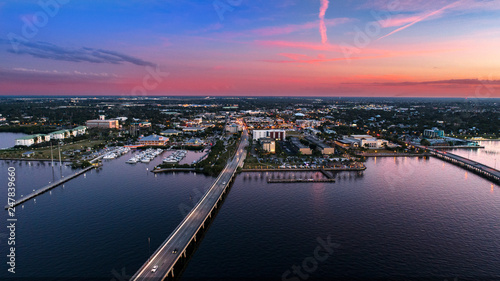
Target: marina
176 157
116 153
145 156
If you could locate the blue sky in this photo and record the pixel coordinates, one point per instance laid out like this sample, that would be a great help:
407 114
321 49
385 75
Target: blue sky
359 48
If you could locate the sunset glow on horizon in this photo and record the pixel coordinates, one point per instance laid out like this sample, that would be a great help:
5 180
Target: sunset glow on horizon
371 48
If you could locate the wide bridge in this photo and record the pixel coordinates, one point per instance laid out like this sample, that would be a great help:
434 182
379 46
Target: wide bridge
165 258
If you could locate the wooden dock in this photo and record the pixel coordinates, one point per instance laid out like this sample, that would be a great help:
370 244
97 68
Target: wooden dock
48 187
333 169
166 170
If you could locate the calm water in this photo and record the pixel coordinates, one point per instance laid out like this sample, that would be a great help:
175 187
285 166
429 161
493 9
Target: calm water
489 155
401 217
404 217
9 139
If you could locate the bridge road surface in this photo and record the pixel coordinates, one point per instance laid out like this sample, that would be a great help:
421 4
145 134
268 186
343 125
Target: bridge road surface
166 256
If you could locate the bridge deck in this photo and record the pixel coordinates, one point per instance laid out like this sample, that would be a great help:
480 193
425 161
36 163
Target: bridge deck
174 247
487 171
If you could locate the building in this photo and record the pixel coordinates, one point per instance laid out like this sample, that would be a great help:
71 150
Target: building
144 124
28 154
32 139
193 129
60 135
154 140
366 141
170 132
433 133
268 145
103 124
307 123
80 130
344 143
321 146
233 128
273 134
194 142
299 147
26 140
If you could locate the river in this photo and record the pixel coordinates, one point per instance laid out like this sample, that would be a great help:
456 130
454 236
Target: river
406 217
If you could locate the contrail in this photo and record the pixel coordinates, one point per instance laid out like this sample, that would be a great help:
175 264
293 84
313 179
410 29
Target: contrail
322 26
422 18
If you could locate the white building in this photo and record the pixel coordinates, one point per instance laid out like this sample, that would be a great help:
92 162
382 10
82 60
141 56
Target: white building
26 141
307 123
273 134
268 145
59 135
32 139
366 141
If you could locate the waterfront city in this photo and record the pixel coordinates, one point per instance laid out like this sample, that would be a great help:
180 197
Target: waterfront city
249 140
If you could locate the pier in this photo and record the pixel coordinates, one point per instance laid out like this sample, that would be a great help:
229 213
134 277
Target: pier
368 154
299 180
326 174
333 169
48 187
168 259
473 166
174 170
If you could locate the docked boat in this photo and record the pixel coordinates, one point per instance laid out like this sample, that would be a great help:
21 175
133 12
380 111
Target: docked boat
132 160
109 156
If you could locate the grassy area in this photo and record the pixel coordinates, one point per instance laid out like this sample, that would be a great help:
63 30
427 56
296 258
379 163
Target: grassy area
44 152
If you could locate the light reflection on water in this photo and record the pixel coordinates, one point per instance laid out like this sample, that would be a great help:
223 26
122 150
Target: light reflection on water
400 217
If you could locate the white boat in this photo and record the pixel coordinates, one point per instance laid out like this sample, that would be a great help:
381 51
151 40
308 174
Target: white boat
145 160
109 156
132 160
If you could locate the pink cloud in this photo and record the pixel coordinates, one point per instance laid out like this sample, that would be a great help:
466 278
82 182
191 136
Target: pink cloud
322 26
321 59
290 28
426 5
398 21
421 18
301 45
293 56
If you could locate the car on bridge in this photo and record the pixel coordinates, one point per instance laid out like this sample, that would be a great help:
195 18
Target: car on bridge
155 268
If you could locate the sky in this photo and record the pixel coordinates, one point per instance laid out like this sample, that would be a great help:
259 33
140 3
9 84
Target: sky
369 48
